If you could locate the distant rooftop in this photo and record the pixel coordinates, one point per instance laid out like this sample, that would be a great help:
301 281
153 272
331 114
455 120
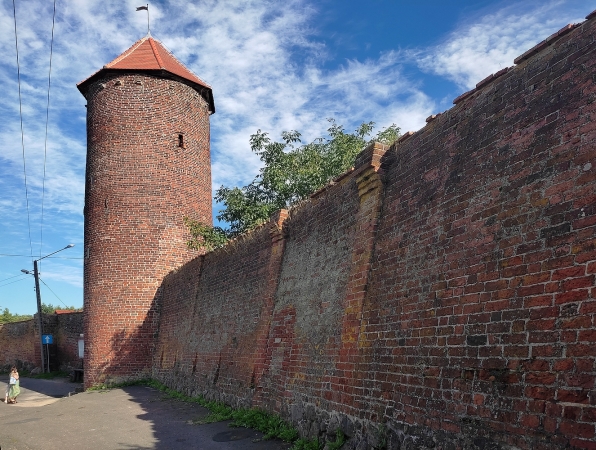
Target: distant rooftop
66 311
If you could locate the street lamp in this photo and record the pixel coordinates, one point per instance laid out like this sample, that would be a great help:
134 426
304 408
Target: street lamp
38 293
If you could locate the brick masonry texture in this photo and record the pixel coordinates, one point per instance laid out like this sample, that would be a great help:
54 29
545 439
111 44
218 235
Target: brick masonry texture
19 345
20 342
231 308
480 327
66 329
440 295
148 166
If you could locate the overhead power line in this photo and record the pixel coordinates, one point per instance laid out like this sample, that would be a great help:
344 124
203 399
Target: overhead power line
53 292
51 257
16 42
15 281
45 147
10 278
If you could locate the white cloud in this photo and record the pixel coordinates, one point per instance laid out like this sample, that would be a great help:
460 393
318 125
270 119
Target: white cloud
61 273
260 57
248 52
474 51
265 65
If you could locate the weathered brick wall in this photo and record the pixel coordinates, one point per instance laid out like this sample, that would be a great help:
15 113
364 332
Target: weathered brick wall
17 344
215 318
440 295
482 310
67 332
306 324
20 342
140 184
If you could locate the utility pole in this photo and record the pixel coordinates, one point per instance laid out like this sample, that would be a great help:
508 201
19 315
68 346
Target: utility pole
38 294
39 318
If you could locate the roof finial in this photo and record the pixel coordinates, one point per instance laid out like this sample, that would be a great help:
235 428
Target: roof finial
145 8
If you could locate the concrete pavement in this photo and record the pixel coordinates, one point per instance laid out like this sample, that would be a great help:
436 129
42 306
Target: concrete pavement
135 417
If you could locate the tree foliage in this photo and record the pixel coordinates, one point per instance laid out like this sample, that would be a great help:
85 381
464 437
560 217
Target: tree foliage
51 309
291 172
7 317
205 236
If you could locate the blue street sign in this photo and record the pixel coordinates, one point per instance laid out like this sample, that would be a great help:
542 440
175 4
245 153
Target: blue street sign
47 338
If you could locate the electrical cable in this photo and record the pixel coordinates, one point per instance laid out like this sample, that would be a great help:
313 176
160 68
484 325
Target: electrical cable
45 147
16 41
53 292
10 278
15 281
51 257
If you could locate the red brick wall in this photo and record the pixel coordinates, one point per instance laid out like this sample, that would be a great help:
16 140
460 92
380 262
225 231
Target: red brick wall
18 344
67 332
441 295
305 334
215 318
140 184
483 286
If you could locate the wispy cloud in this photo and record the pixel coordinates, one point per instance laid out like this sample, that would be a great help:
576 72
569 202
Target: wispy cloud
268 70
476 50
62 273
264 65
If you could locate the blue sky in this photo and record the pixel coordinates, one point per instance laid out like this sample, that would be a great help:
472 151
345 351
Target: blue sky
273 66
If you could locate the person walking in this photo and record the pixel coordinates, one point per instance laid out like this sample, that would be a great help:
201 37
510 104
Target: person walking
13 386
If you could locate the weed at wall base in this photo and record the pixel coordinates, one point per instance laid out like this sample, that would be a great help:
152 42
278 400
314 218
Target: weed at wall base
272 426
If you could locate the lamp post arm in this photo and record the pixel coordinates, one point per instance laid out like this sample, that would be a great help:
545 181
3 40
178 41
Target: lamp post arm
68 246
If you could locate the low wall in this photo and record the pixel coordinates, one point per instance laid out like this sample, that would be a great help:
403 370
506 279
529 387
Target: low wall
66 328
20 342
439 295
17 345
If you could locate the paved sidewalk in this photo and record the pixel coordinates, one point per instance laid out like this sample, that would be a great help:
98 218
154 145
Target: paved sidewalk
134 417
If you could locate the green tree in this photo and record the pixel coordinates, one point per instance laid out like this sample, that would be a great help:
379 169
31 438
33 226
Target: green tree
48 309
291 172
8 317
51 309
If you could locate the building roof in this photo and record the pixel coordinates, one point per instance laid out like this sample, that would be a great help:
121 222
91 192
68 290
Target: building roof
148 54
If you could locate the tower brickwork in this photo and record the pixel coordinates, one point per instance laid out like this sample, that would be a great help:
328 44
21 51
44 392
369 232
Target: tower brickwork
148 166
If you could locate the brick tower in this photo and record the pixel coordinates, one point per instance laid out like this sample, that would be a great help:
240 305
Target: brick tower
148 166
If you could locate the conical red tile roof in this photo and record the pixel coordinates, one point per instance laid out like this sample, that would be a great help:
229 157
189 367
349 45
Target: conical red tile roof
148 54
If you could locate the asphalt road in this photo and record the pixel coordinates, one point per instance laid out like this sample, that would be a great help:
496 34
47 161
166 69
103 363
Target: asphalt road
50 415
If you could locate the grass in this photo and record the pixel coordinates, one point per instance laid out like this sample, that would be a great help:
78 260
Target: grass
304 444
340 440
48 375
271 425
43 376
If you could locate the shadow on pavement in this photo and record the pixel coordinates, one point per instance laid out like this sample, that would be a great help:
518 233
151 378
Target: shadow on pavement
134 417
39 392
174 424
